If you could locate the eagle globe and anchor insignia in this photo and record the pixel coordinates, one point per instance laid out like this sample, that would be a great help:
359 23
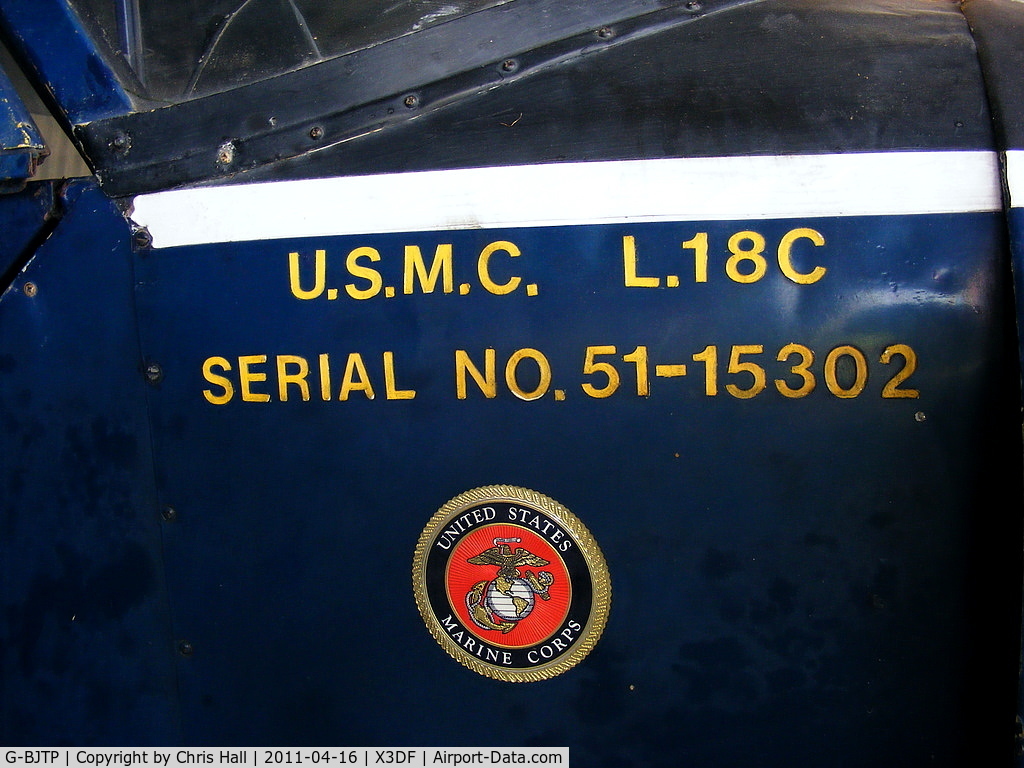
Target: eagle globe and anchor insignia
511 584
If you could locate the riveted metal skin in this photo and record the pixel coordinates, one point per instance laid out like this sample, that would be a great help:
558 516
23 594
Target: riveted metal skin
753 322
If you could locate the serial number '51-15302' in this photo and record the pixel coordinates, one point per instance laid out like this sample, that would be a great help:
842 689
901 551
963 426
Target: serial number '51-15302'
794 372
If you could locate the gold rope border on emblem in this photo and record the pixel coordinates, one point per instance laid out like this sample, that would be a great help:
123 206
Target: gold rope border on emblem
600 579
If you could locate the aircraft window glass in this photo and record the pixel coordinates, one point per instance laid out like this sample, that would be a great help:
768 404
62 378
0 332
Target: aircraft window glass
180 49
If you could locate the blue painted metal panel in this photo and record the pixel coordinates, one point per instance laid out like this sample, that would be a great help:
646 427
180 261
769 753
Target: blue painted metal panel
85 646
828 578
789 575
26 216
21 146
51 41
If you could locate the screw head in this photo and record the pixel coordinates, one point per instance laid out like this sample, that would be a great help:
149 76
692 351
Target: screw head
509 65
154 373
120 142
411 101
169 514
605 33
30 289
226 153
141 238
316 132
185 648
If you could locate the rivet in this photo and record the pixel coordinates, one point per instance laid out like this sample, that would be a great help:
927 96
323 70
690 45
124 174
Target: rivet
169 514
141 238
411 101
30 289
226 153
121 142
185 648
154 373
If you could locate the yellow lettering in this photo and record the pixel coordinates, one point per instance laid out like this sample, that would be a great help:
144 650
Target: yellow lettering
298 378
699 244
785 249
486 381
319 275
892 387
220 381
590 365
757 373
801 369
247 377
441 266
366 273
629 266
709 356
355 379
738 255
483 267
325 377
512 381
390 392
860 371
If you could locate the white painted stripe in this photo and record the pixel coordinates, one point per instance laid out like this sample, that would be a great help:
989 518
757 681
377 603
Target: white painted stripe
678 189
1015 177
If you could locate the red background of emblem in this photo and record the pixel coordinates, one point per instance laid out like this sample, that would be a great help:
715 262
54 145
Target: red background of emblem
547 615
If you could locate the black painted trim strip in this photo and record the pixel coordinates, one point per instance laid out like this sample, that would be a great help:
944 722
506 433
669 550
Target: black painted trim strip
364 92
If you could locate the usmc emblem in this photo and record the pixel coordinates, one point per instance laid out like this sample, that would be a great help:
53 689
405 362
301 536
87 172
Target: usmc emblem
511 584
502 603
